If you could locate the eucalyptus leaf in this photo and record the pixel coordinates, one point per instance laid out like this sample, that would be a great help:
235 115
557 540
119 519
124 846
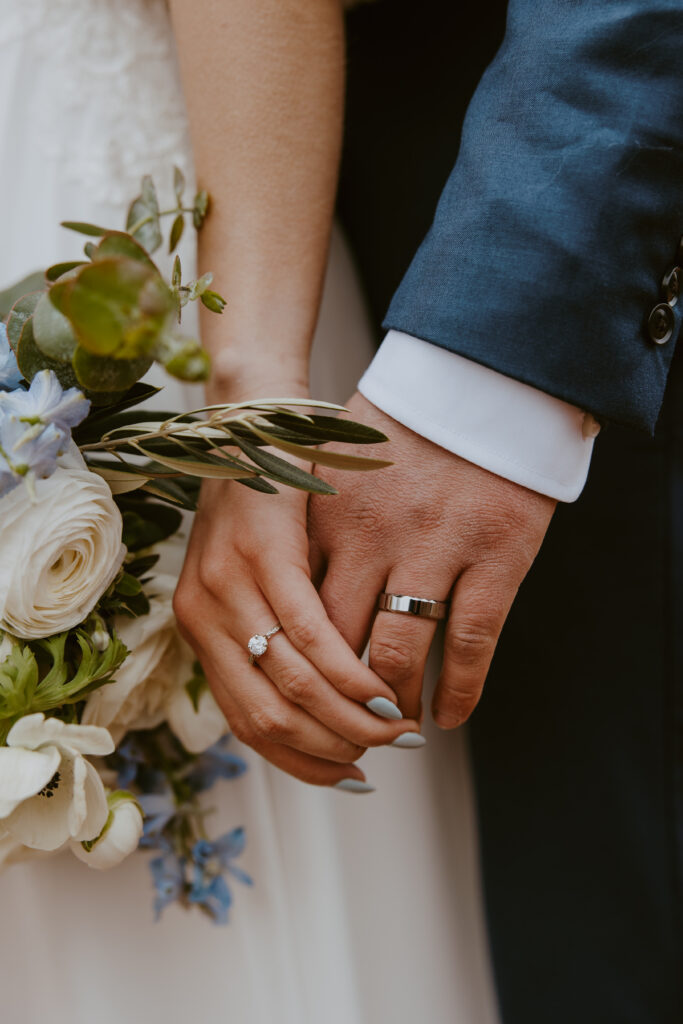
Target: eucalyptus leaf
178 184
115 306
102 373
144 225
177 229
121 244
10 296
52 331
183 357
200 285
31 360
22 310
84 229
213 301
58 270
200 208
177 274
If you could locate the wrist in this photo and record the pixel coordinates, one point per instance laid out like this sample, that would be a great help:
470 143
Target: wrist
262 376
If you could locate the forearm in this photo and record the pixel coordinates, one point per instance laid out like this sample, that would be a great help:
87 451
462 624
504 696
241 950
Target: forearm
263 82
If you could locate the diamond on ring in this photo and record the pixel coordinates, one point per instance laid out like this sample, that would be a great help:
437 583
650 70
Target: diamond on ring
258 643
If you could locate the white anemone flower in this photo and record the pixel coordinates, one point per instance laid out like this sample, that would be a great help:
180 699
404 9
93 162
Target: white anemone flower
150 686
49 793
119 837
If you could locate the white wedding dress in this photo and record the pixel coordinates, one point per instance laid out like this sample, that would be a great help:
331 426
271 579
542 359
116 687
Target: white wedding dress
366 910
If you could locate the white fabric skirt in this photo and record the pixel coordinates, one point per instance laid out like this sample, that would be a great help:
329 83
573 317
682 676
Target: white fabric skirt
366 909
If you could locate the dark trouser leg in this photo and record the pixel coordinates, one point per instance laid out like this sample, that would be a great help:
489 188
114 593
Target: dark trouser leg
576 750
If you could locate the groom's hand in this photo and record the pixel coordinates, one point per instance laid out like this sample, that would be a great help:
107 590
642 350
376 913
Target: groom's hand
431 526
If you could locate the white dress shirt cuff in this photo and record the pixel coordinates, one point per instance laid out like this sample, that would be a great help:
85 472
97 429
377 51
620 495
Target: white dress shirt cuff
494 421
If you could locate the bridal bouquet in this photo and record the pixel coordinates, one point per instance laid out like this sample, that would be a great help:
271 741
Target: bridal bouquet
108 730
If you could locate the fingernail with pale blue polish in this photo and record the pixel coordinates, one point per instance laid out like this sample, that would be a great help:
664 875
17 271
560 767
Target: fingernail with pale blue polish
355 786
409 741
384 708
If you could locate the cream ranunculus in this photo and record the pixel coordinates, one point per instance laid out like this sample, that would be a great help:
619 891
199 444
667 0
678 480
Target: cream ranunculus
49 793
119 837
60 549
150 685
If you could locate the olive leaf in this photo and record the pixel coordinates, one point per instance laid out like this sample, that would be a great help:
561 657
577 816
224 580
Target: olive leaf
335 460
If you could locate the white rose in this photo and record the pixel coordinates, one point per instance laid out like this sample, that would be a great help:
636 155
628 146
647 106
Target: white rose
49 793
59 550
149 688
119 837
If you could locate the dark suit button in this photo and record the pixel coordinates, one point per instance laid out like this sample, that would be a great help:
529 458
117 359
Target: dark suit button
660 324
671 285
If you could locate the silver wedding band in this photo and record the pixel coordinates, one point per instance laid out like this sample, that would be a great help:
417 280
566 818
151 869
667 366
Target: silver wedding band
423 607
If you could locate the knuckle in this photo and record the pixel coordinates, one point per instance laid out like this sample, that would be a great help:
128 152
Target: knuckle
270 725
183 605
393 658
241 731
471 642
212 575
301 631
457 704
368 517
298 688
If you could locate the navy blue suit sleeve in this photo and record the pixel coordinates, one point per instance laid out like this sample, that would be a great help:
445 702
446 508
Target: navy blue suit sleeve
564 211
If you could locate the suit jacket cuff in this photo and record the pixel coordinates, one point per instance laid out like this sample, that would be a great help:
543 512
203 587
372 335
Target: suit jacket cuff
494 421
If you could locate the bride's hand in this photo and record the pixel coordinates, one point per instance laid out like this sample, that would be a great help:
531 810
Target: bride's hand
303 706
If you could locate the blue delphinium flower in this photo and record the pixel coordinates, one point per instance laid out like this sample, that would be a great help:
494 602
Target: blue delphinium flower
158 809
215 763
46 402
35 428
10 374
219 854
168 875
211 893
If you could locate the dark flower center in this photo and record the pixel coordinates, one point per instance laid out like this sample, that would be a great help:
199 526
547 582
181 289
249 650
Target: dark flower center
49 789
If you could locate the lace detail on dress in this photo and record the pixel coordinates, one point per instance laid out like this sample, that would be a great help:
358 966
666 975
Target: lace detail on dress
107 92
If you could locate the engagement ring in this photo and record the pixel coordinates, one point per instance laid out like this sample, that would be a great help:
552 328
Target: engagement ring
258 644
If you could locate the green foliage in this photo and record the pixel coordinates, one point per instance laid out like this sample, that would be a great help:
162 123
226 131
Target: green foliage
47 675
9 296
196 685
